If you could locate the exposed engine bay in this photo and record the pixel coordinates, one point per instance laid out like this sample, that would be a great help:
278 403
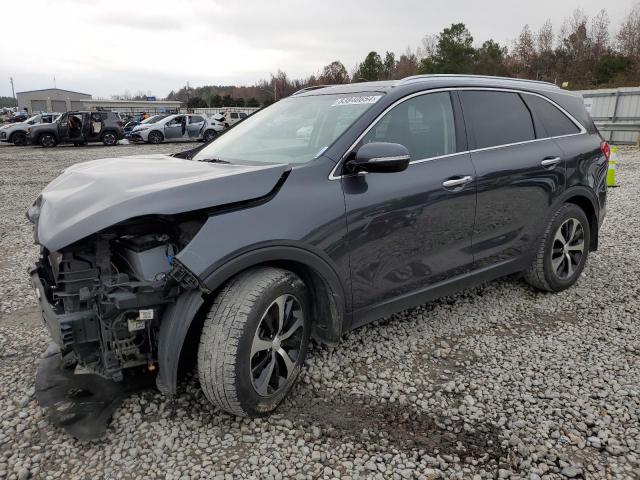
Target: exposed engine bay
106 294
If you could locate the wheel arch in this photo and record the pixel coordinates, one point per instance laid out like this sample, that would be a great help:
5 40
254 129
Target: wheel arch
183 320
585 199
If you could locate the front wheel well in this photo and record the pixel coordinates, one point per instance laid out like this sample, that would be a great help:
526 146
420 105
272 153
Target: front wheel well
327 314
585 204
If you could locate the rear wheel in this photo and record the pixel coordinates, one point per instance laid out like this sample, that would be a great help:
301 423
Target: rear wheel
563 251
155 137
19 139
254 341
109 138
47 140
209 135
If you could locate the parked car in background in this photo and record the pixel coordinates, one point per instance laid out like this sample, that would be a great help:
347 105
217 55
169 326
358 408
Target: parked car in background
174 128
78 128
129 126
395 193
231 118
16 133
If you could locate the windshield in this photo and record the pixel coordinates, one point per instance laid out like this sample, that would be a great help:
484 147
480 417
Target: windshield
34 119
293 130
154 119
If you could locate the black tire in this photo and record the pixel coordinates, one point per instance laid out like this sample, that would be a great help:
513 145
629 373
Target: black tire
241 316
110 138
558 267
19 139
155 137
209 135
47 140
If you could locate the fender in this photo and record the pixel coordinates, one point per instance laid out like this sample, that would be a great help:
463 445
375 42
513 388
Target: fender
179 316
174 327
581 192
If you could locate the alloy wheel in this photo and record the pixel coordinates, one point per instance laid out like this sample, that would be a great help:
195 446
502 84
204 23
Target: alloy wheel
109 139
47 141
19 139
568 248
277 346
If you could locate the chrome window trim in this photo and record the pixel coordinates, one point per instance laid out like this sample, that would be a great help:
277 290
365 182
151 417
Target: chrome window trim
583 130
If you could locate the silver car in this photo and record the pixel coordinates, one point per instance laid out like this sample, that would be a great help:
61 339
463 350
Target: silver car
16 133
181 127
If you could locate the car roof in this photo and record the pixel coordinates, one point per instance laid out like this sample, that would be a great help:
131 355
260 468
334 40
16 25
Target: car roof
435 81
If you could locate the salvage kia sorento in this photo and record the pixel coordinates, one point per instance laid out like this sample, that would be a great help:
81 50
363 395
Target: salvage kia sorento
325 211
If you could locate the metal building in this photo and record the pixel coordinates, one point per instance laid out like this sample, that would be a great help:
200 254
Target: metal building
134 106
51 100
616 112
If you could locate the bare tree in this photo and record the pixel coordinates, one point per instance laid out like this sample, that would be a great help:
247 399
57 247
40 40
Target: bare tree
524 50
545 37
599 34
628 37
428 46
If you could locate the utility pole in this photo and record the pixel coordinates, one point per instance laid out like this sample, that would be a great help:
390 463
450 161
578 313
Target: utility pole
187 94
13 91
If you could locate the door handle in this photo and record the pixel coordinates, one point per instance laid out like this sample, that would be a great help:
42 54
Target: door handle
457 182
550 162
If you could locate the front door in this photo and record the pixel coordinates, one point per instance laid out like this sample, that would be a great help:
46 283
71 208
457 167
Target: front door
176 128
63 126
410 230
519 173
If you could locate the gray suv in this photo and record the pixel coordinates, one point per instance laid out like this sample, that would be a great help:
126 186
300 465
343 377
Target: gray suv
78 128
318 214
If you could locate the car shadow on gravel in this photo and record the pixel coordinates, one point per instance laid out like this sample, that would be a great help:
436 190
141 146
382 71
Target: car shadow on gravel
365 420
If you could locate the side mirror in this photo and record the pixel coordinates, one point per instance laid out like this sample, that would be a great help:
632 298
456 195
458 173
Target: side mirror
379 157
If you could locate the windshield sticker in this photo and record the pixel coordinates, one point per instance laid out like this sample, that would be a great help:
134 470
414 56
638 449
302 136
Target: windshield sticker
356 100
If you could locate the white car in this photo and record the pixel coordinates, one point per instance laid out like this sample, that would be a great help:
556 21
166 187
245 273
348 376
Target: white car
231 118
181 127
16 133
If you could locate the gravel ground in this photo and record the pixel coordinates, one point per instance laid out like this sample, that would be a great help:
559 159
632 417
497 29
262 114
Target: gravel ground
496 382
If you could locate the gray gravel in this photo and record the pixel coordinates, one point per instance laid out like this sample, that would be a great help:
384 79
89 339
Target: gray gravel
496 382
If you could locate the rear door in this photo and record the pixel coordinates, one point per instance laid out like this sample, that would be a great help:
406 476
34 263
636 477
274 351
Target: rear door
412 229
519 174
195 128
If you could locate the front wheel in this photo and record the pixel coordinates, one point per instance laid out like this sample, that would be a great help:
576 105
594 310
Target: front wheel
19 139
109 139
563 251
47 140
254 341
155 137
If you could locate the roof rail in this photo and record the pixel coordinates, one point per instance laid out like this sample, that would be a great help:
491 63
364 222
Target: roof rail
455 75
312 87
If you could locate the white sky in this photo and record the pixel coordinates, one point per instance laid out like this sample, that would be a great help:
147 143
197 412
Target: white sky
105 47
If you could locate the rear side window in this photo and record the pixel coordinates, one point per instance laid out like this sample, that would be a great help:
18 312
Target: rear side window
554 122
424 124
497 118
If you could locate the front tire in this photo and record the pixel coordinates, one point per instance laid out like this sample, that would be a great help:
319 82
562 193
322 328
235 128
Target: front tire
155 137
19 139
563 251
47 140
254 341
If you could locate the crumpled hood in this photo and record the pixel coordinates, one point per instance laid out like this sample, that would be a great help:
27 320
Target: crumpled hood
91 196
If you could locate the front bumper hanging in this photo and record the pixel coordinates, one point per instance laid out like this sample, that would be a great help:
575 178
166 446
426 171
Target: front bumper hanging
81 404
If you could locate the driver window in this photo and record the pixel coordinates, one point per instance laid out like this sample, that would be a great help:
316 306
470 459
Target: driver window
424 124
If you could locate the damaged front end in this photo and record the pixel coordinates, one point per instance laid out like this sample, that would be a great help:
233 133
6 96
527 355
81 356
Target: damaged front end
102 300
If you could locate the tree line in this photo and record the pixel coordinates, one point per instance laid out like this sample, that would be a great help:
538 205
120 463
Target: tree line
581 53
